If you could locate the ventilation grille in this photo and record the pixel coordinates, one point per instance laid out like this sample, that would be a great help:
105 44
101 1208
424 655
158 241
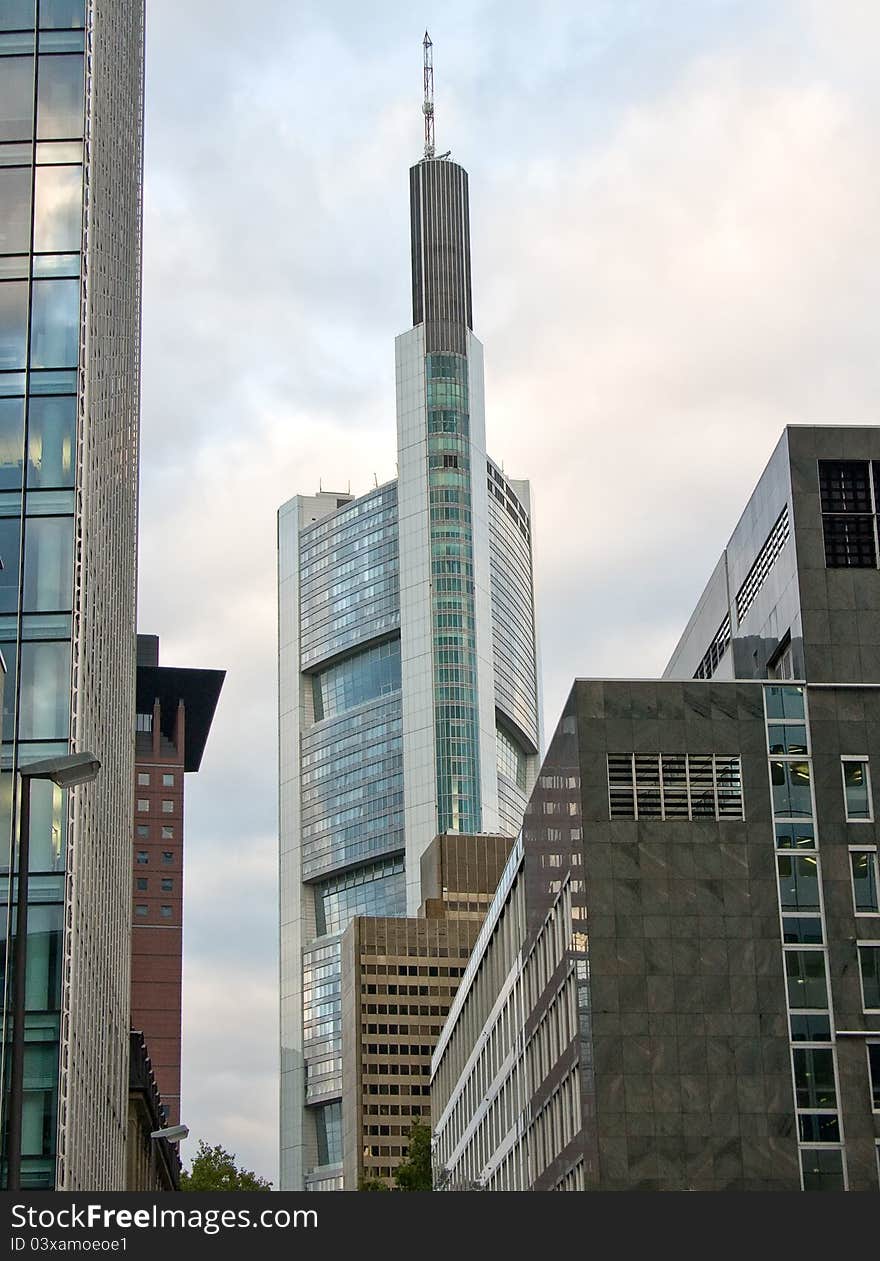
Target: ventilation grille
757 575
674 786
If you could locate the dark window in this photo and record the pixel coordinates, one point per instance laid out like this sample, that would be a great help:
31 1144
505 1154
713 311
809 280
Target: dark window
849 542
142 884
869 964
874 1074
822 1169
844 486
167 857
143 857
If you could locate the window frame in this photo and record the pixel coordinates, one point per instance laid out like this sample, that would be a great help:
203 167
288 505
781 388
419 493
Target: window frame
875 1105
865 849
869 945
865 760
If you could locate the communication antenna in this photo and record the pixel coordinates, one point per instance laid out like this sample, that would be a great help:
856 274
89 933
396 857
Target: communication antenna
428 103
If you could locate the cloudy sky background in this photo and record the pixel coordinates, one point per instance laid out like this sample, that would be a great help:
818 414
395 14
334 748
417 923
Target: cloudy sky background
675 207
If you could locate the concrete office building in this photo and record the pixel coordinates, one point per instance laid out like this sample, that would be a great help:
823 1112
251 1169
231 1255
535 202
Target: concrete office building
678 984
71 106
409 700
175 709
398 979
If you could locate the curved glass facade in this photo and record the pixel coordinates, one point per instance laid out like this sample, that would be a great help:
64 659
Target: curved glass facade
453 617
513 613
349 583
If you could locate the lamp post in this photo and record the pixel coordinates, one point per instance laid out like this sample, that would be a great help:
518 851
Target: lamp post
66 772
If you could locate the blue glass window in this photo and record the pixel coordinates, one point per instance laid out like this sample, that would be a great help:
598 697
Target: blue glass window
62 14
15 210
11 444
58 209
17 97
791 788
55 324
17 15
51 441
48 564
10 547
60 102
356 680
13 323
375 890
44 706
328 1123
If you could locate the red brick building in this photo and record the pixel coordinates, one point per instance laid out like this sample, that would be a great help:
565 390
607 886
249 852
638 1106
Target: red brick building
175 708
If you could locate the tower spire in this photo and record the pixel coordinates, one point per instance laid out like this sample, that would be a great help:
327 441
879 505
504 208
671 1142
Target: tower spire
428 103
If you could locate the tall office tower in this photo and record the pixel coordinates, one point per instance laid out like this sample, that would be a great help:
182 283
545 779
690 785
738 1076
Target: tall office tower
409 695
71 109
175 709
678 984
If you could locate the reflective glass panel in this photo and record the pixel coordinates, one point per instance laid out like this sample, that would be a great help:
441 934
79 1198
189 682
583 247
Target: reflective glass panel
864 878
17 98
791 788
15 209
48 826
805 974
855 784
11 444
17 15
44 707
874 1073
798 882
869 964
48 563
10 545
376 890
51 439
55 324
822 1169
13 323
819 1127
356 680
803 929
788 739
328 1123
60 97
795 836
57 14
814 1077
784 702
810 1028
58 209
44 957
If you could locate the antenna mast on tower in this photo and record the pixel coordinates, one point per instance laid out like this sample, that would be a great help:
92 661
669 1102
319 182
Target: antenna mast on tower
428 103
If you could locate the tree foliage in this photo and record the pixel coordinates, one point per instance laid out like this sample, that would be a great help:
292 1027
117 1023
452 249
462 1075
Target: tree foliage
214 1169
415 1172
373 1184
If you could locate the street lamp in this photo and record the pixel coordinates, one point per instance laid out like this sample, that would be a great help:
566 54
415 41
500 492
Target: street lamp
66 772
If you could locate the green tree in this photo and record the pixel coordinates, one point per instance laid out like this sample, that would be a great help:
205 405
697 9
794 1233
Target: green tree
415 1172
213 1169
373 1184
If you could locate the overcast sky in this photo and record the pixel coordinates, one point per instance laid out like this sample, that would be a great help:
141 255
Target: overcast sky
674 219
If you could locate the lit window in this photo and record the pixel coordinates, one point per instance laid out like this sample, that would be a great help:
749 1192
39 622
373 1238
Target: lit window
143 857
167 807
864 881
857 790
143 779
167 833
143 805
167 781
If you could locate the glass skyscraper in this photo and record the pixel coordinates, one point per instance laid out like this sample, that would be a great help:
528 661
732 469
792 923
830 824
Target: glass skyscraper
71 108
409 691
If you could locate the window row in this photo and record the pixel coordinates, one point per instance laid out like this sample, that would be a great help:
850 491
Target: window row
142 858
144 805
141 910
142 884
143 779
142 831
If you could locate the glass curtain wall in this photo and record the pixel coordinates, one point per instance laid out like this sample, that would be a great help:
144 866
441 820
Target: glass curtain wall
452 595
41 216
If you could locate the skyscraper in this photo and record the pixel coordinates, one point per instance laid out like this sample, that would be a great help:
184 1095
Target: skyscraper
71 108
409 694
